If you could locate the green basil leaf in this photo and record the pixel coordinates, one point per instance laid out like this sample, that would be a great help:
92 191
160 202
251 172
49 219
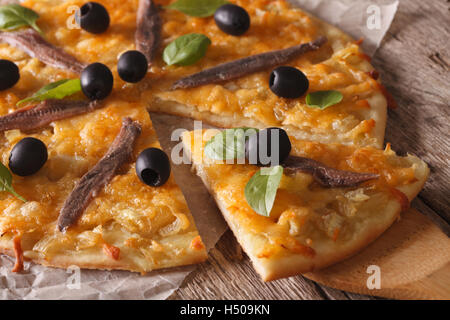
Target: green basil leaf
13 16
228 144
197 8
261 189
55 90
6 182
186 50
323 99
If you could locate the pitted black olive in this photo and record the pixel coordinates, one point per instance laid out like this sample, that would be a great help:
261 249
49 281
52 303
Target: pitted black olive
93 17
153 167
28 156
288 82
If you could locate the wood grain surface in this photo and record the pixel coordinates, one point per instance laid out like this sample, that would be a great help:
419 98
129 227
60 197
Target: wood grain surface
414 62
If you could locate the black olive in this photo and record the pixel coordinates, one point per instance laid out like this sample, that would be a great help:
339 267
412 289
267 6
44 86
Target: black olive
132 66
258 147
28 156
153 167
93 17
9 74
232 19
288 82
96 81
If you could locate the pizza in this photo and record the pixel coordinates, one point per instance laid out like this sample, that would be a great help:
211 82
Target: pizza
98 192
339 64
310 226
150 228
127 225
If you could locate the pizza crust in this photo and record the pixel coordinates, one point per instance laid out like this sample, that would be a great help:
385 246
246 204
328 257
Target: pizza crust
377 112
97 259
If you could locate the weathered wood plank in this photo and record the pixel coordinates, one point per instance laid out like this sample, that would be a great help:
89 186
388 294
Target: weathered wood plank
414 64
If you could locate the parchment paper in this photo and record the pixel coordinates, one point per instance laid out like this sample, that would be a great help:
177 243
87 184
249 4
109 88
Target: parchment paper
368 19
38 282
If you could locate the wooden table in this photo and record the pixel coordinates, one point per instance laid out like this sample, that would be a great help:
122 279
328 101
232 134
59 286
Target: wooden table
413 61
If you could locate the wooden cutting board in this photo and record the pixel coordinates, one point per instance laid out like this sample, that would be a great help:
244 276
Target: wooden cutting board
413 257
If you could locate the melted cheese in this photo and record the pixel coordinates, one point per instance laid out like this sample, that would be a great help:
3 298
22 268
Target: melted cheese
339 65
304 212
126 213
153 227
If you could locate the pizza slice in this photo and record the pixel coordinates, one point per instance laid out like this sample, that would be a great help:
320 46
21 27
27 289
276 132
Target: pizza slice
126 225
86 206
340 200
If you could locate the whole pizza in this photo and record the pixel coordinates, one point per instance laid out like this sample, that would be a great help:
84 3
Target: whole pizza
299 169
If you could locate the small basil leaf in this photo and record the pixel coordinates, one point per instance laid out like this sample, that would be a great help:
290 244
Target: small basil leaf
186 50
261 189
13 16
55 90
323 99
6 182
228 144
197 8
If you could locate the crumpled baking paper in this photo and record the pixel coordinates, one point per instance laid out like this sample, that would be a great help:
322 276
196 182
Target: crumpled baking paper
368 19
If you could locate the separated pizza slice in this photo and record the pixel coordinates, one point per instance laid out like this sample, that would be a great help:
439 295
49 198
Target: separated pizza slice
86 206
123 224
358 119
323 204
239 95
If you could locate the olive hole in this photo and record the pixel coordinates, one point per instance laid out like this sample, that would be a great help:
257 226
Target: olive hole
85 9
272 79
151 177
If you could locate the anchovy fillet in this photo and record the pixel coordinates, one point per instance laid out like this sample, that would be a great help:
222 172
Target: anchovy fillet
242 67
36 46
326 176
148 32
94 180
30 118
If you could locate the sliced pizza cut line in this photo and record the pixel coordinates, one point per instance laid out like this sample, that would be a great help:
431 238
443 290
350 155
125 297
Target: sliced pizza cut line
310 226
339 64
133 227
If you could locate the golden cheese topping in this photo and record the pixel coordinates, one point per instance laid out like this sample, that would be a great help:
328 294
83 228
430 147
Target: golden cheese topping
152 227
128 225
305 214
339 65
